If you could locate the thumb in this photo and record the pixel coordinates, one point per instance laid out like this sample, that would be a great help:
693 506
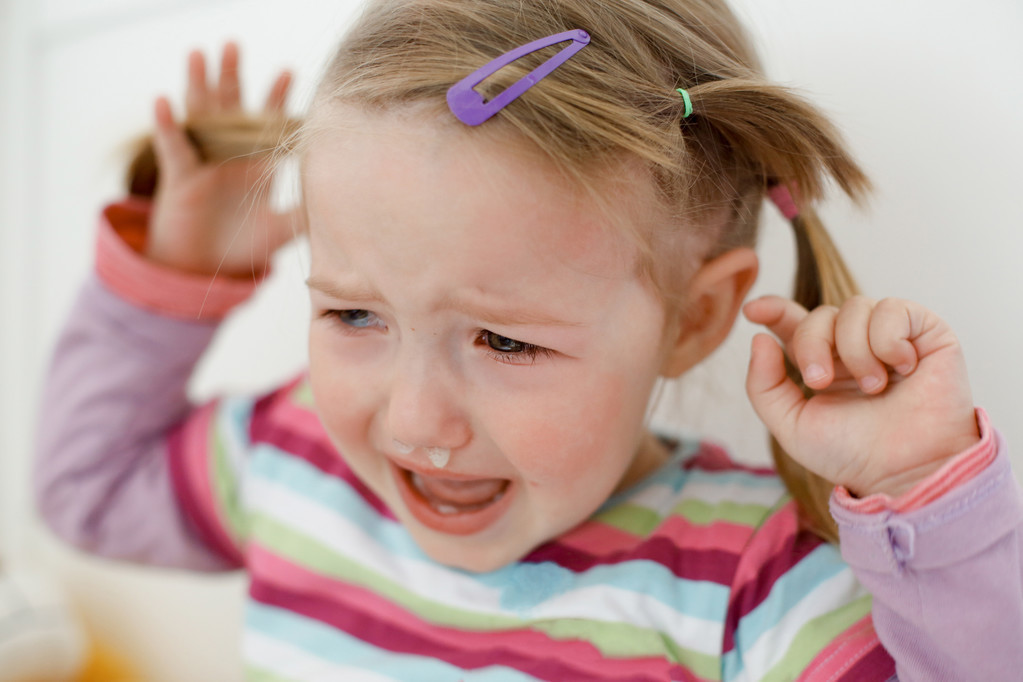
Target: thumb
775 398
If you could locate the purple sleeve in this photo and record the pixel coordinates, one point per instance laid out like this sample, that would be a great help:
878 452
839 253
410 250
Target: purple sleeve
115 388
947 579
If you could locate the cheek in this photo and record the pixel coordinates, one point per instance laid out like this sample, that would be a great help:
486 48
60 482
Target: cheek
557 438
341 390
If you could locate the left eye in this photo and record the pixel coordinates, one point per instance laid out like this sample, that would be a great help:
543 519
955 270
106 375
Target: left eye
505 345
360 319
509 350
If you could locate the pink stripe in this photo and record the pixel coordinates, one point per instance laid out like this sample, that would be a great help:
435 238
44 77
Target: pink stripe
193 459
396 629
711 457
842 653
720 535
599 538
156 287
776 532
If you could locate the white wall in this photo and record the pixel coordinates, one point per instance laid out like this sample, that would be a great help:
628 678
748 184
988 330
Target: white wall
929 94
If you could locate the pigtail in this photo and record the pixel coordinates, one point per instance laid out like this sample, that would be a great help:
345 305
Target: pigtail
216 138
789 145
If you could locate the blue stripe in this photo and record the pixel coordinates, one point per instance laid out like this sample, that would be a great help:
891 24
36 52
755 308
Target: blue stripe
339 648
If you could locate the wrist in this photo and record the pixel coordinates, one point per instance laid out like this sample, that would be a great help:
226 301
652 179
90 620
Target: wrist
122 265
899 483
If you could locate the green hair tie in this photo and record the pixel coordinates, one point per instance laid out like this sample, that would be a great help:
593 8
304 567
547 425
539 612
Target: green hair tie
689 103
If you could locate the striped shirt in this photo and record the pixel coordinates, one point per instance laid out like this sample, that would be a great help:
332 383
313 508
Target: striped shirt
698 572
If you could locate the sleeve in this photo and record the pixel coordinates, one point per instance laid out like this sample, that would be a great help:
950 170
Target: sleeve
947 576
122 461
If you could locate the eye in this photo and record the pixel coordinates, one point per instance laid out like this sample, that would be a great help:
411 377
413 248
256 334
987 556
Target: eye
509 350
355 319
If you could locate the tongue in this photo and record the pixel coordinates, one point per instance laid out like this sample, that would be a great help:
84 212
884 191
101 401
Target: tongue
460 493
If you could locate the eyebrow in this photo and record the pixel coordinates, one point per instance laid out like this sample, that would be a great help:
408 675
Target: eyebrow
350 293
498 316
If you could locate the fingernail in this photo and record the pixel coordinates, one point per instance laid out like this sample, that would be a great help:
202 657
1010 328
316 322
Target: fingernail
814 373
904 369
870 383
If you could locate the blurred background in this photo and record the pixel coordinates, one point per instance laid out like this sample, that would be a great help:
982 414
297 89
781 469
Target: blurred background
929 94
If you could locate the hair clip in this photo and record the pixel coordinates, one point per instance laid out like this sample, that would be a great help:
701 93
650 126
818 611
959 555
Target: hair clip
468 106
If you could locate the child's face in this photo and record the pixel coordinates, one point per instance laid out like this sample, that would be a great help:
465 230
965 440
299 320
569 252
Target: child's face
463 299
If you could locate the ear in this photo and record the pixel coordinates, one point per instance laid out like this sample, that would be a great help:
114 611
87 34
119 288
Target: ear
714 297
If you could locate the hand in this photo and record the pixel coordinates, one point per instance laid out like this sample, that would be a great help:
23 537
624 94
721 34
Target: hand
213 217
890 397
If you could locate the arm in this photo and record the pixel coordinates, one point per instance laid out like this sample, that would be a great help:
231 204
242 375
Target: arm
115 395
121 450
929 517
947 576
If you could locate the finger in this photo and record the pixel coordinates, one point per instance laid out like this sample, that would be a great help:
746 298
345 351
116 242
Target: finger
781 315
175 154
229 89
197 93
853 345
775 398
278 96
892 326
812 346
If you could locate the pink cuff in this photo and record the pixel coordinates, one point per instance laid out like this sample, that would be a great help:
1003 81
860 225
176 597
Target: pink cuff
120 265
954 473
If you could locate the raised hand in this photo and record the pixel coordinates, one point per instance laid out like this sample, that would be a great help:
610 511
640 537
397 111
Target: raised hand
890 400
213 217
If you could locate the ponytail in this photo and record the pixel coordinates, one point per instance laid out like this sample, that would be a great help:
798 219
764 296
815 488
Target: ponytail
822 278
786 143
216 138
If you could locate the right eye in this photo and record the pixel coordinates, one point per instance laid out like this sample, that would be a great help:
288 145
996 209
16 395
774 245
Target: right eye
355 319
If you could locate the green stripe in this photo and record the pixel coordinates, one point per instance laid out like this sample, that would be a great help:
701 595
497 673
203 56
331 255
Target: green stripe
631 518
814 636
612 639
225 487
303 395
254 674
703 513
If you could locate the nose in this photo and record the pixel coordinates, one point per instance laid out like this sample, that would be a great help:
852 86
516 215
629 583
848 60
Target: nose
424 409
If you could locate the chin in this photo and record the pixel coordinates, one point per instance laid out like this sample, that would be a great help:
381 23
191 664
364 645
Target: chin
467 554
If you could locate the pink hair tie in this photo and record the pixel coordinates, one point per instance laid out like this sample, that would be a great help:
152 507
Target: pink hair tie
781 196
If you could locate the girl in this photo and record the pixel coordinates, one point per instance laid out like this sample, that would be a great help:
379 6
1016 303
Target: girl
521 215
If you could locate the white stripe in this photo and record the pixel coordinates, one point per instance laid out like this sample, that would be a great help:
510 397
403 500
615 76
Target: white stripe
289 661
604 602
772 646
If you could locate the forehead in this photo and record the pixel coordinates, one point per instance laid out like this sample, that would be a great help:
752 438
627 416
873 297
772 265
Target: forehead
391 166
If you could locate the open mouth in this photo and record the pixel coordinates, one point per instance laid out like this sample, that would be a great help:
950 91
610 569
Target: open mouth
455 506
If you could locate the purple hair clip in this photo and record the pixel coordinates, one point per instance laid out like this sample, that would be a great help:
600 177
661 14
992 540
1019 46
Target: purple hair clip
468 106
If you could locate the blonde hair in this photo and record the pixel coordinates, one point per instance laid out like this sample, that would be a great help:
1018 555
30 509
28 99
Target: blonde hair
615 98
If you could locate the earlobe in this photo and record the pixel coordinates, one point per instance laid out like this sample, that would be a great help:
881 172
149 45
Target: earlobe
713 299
